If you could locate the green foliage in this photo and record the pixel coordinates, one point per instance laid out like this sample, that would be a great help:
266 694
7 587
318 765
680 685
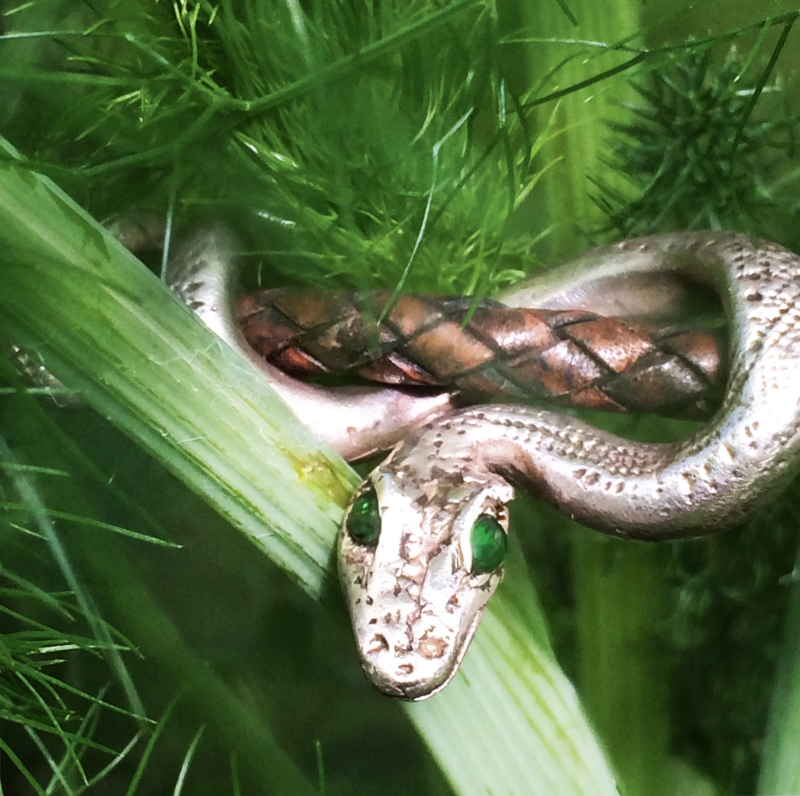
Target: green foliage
45 714
709 145
371 143
730 611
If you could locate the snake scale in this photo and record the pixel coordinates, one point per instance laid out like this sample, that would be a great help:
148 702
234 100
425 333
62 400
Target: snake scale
423 540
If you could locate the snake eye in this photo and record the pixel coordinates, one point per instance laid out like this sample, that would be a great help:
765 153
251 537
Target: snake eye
364 519
489 543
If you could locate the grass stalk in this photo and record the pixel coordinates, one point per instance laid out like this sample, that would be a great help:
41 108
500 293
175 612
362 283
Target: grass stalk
110 329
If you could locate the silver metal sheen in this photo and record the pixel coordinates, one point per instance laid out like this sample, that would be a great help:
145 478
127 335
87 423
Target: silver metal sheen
413 601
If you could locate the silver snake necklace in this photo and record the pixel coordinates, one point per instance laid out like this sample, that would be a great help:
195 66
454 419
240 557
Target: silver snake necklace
423 540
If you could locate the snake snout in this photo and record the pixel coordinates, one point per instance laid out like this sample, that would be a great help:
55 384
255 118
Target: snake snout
408 656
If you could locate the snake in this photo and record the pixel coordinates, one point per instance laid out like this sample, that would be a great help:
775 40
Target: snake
423 540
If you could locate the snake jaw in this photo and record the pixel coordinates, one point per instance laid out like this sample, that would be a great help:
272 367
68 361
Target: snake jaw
414 602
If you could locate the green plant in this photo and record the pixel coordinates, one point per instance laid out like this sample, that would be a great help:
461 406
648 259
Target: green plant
352 144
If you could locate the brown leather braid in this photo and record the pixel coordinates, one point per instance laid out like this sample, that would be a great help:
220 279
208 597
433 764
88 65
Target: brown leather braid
573 358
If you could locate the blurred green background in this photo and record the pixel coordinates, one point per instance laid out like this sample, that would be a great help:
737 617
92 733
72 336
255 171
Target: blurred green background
149 646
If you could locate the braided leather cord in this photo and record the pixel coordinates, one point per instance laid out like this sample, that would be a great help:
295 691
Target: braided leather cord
571 358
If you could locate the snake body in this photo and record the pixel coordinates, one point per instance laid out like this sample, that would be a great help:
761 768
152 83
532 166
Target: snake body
417 578
422 542
354 421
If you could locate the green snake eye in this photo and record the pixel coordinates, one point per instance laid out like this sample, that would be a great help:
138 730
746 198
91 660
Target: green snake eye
364 520
489 544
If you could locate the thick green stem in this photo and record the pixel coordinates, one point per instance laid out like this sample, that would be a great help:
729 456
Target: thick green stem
110 329
780 771
577 126
619 603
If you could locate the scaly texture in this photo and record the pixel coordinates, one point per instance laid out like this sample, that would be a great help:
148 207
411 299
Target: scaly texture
415 599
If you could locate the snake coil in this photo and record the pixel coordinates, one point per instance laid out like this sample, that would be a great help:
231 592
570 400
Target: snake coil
422 542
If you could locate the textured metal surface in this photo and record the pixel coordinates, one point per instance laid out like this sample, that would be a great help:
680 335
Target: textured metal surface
355 421
403 607
413 601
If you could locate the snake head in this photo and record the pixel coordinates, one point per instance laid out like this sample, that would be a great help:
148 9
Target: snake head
418 561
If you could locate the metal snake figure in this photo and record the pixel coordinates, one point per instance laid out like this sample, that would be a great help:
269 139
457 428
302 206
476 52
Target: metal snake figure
422 542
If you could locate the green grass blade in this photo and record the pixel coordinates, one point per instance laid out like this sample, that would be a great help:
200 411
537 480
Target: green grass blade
111 330
780 771
579 121
510 722
114 332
